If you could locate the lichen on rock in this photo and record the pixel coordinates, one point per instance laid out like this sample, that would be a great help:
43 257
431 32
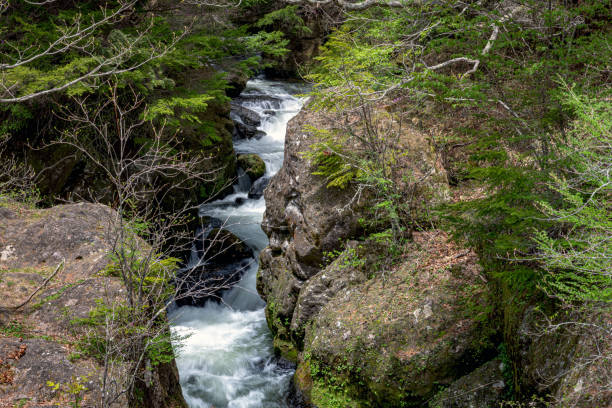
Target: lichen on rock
76 237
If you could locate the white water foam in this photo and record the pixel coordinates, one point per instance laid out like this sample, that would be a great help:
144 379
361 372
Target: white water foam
227 358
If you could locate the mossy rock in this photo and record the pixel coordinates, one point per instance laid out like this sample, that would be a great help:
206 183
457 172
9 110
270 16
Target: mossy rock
397 338
253 165
286 350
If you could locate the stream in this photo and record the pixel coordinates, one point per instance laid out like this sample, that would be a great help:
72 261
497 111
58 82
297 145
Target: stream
227 358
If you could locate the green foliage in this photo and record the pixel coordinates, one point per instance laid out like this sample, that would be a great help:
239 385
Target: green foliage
74 389
344 258
13 329
328 154
151 274
132 334
186 77
286 20
576 250
178 108
328 389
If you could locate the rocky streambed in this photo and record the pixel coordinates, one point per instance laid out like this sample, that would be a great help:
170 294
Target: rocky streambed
227 359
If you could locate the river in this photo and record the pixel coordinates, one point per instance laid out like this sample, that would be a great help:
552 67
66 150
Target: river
227 358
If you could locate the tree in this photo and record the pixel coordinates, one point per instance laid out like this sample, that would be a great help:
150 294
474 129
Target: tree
576 252
76 37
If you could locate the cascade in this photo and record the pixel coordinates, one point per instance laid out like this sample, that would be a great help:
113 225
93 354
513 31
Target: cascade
227 358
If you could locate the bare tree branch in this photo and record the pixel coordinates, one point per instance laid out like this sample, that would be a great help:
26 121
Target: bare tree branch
79 36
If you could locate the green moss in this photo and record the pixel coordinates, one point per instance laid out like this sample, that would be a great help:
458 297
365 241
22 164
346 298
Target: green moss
325 396
253 165
285 349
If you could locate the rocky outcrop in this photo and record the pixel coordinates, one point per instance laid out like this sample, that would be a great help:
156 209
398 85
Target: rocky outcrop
431 328
362 333
37 341
403 333
303 220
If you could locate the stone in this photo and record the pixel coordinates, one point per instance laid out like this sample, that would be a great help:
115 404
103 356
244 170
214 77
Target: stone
246 122
482 388
257 189
80 236
304 219
400 334
223 259
252 164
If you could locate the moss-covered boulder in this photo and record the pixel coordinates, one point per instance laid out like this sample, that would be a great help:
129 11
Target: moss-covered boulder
253 165
398 337
327 298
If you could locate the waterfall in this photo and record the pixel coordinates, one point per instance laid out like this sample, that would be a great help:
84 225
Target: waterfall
227 359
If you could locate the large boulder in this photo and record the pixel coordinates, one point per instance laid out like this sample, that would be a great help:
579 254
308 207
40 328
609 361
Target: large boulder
364 332
305 219
400 335
37 341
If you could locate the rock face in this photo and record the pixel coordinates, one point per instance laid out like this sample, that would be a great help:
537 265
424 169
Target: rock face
402 336
423 331
37 341
303 220
394 335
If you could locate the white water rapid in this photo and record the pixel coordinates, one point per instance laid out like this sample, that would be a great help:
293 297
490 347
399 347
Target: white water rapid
227 358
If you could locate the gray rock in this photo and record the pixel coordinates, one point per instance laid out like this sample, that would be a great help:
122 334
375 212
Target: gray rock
247 116
324 286
80 235
257 189
482 388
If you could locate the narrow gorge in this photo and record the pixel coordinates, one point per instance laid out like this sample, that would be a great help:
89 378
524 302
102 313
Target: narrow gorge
305 204
227 359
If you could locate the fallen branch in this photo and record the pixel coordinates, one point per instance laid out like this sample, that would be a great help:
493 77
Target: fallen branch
362 5
45 283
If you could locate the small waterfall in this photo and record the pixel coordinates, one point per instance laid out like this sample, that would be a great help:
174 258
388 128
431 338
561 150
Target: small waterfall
227 359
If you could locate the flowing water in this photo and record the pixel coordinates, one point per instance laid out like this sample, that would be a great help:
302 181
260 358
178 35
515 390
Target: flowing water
227 359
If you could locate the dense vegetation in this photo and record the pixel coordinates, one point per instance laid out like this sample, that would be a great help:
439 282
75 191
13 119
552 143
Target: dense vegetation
59 56
517 98
514 94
